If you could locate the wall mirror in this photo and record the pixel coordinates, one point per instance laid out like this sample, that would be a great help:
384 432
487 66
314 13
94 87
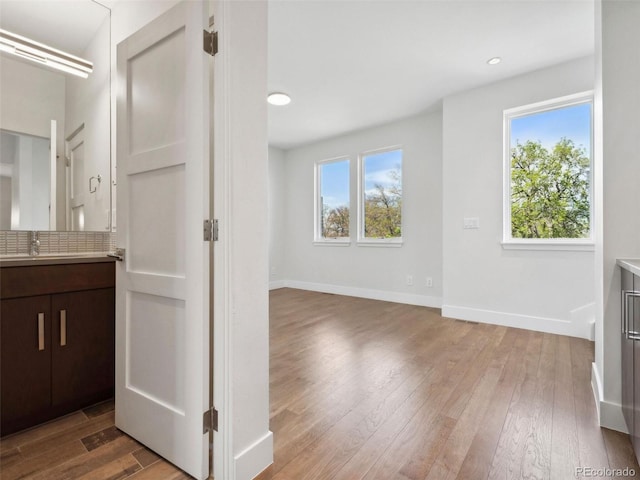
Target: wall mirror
55 147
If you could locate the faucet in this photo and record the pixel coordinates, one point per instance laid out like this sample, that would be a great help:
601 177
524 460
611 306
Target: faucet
35 243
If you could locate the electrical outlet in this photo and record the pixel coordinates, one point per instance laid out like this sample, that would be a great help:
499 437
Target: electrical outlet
429 282
409 279
471 223
273 271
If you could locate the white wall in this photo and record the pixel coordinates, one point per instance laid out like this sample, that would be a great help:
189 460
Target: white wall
374 272
88 102
31 97
620 74
244 445
542 290
276 209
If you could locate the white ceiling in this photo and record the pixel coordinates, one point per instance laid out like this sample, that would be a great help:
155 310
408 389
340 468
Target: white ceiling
67 25
352 64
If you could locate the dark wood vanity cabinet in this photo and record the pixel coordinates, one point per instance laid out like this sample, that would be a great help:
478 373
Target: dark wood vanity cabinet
57 343
25 370
630 359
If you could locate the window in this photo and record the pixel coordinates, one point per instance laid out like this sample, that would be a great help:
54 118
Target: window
381 196
548 172
332 200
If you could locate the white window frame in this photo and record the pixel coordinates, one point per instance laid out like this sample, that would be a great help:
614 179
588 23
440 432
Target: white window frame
317 219
508 242
377 242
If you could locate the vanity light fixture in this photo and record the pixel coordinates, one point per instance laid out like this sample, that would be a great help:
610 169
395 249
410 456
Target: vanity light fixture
43 54
278 98
494 61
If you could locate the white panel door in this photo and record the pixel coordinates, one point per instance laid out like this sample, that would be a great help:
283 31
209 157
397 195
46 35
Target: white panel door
162 325
53 170
78 187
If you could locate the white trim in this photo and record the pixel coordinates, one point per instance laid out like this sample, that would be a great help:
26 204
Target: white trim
276 284
362 240
381 242
224 462
53 167
585 315
596 386
317 181
552 104
516 320
6 170
254 459
386 296
609 413
508 242
542 244
338 242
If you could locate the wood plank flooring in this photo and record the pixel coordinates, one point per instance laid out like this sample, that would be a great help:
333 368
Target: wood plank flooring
83 445
364 390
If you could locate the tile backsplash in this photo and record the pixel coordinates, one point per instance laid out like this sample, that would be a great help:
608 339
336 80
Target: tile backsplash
18 243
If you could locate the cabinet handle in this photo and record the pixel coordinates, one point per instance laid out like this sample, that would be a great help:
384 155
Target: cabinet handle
627 294
623 310
41 331
63 328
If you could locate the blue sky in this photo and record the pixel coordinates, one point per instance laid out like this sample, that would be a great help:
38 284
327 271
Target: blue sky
335 176
335 183
548 127
378 166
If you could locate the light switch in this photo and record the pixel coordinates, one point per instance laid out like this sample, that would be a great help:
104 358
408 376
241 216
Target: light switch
471 222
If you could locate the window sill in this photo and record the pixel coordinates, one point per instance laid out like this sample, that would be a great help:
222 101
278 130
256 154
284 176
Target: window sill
332 243
394 243
566 246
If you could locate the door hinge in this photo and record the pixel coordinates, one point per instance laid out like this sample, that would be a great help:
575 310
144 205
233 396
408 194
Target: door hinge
211 230
210 42
210 420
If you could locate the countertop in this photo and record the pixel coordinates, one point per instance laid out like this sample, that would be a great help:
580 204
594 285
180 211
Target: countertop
53 259
633 265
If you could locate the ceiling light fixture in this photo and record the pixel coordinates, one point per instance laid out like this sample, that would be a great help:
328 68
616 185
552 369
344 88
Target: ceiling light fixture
494 61
278 98
43 54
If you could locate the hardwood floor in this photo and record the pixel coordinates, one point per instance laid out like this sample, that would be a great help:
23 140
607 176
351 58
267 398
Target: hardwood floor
363 390
83 445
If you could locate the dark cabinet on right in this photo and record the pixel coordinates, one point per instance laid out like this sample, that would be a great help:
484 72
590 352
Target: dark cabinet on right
630 348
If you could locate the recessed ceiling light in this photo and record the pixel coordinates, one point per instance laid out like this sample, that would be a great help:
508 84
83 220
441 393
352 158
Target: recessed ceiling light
278 98
494 61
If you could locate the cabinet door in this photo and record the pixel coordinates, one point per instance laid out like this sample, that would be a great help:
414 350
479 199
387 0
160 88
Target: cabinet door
83 346
25 356
634 324
626 347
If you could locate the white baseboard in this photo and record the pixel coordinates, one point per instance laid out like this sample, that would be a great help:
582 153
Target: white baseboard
277 284
396 297
578 329
611 416
254 459
585 315
596 386
609 413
